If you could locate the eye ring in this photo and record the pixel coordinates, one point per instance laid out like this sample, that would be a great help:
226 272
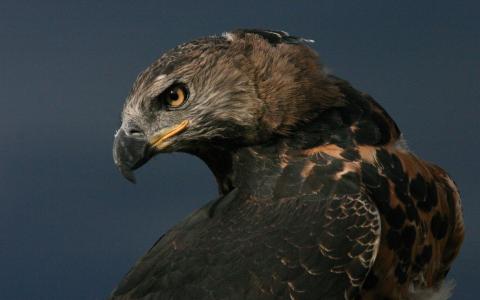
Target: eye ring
175 96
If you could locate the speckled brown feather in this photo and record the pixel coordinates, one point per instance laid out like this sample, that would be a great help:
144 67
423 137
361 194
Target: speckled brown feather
421 230
419 205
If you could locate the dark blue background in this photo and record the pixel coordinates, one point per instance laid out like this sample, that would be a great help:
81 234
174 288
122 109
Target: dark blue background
71 226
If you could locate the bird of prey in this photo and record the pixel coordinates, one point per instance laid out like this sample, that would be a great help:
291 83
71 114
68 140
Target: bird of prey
319 197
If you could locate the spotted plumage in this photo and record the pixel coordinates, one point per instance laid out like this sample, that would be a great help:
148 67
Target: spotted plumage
319 196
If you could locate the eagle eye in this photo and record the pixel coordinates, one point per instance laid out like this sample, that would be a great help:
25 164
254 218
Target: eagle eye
175 96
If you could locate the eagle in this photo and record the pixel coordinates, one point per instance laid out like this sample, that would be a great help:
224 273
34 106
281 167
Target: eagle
319 196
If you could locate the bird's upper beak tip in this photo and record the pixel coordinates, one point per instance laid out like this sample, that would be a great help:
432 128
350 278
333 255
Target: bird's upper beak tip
128 174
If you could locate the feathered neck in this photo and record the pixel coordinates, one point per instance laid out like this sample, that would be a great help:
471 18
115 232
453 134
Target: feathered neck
360 122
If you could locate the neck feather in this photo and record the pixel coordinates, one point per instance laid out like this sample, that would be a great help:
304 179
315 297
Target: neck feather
360 122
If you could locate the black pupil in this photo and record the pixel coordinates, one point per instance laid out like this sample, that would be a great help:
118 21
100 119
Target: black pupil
173 95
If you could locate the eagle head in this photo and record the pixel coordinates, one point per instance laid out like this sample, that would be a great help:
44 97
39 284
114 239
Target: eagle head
241 88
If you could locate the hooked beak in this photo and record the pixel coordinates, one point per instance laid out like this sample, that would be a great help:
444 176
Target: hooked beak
131 151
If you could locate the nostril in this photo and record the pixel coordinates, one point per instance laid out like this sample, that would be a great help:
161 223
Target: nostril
134 131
